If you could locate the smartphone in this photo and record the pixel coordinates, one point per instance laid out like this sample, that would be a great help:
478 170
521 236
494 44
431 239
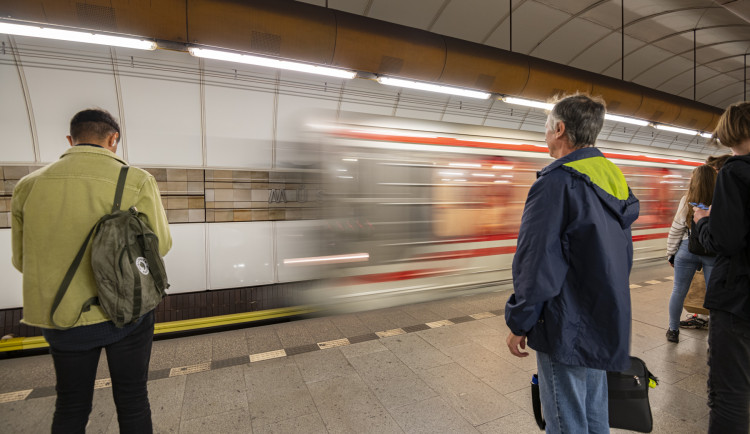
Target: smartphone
699 205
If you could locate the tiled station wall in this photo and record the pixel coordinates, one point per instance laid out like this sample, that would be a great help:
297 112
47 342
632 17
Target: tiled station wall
205 195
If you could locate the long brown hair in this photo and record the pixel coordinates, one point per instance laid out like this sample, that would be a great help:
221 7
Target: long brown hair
701 189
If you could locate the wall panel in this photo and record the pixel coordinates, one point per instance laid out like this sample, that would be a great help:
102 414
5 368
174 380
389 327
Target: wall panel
298 239
11 293
239 116
161 98
64 78
186 262
15 132
240 254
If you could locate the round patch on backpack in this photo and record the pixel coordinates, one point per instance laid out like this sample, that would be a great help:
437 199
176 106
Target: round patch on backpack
142 265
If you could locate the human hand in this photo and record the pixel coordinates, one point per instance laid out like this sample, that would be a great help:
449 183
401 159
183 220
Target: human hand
514 342
700 213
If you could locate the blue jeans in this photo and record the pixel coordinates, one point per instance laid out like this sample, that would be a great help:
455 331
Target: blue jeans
128 361
574 398
685 266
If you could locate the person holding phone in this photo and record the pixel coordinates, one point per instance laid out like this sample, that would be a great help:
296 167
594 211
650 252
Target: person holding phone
725 229
685 264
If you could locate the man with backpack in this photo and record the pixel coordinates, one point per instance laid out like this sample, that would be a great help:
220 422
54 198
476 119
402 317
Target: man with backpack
53 210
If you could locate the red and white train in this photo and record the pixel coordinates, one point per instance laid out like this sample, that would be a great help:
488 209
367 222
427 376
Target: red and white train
415 214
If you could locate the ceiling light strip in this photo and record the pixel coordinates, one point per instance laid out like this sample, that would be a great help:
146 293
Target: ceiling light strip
676 129
271 63
627 120
36 31
390 81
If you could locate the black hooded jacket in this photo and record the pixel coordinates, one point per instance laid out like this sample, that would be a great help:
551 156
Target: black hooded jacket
727 232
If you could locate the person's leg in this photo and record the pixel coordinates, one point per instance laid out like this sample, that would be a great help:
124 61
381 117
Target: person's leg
597 401
562 391
685 266
729 374
76 373
128 361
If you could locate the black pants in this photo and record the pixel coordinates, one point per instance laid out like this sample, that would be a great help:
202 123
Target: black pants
729 374
128 361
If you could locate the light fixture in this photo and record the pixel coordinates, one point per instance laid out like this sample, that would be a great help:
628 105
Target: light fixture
36 31
616 118
707 135
390 81
676 130
271 63
528 103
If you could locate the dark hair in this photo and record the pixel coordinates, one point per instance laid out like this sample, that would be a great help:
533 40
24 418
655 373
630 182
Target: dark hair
583 117
734 126
93 124
717 162
701 189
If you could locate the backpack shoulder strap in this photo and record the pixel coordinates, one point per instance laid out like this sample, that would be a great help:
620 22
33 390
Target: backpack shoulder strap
120 187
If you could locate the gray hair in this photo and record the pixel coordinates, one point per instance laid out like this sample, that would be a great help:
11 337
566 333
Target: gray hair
583 117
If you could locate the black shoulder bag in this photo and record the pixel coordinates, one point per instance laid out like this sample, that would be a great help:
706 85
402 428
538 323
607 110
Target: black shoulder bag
629 407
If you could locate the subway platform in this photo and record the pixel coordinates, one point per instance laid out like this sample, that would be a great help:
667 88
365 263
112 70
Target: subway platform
434 367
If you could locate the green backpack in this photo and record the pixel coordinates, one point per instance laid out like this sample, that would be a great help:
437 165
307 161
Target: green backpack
128 269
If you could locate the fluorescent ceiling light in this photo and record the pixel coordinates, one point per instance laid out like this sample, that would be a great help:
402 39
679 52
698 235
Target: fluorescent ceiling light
502 167
271 63
528 103
36 31
676 130
611 117
707 135
433 87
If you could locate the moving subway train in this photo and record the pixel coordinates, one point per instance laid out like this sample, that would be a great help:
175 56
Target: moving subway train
419 214
379 211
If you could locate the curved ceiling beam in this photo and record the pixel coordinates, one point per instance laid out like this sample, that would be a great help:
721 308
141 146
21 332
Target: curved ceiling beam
718 73
638 20
673 35
681 54
500 23
571 18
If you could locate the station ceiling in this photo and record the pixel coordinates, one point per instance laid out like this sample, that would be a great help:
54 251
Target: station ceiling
695 49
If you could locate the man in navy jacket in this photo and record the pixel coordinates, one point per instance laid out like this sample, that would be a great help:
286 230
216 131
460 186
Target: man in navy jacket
571 271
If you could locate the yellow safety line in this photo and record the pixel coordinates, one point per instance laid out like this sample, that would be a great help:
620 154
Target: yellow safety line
16 344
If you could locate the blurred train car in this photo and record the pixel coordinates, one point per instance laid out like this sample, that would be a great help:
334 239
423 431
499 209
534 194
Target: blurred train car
415 214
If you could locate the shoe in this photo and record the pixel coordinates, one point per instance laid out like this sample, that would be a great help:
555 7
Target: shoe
673 336
693 322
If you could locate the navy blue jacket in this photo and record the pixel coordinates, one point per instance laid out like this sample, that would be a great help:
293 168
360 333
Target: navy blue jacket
572 264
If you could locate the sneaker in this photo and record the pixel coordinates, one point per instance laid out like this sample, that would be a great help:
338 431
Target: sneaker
693 322
673 336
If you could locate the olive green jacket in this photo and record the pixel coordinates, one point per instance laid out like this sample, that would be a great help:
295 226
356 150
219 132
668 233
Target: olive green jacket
53 210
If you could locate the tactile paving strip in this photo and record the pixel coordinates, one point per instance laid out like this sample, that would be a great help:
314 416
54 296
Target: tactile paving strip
252 358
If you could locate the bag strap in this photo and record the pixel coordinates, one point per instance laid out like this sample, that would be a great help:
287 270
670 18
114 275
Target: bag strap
120 187
536 402
79 256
